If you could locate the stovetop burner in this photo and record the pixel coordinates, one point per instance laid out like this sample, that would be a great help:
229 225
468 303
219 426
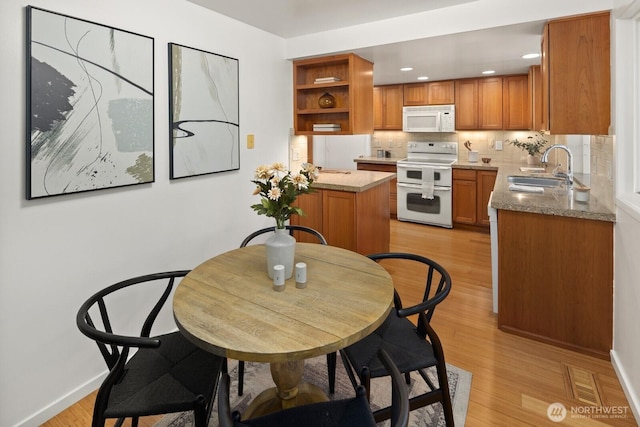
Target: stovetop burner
436 153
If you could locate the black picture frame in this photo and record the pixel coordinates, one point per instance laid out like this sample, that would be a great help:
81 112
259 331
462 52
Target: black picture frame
90 106
204 112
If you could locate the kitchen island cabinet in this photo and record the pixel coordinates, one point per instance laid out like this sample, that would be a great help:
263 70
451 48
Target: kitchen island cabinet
393 185
555 264
556 280
351 210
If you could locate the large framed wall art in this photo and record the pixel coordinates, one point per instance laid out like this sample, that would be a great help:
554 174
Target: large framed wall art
90 122
203 112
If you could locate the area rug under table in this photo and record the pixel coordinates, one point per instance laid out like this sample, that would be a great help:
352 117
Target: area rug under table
257 377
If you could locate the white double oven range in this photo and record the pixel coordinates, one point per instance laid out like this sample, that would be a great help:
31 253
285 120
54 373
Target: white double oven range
424 183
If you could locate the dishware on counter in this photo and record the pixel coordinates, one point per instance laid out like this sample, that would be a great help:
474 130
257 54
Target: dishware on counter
486 160
581 194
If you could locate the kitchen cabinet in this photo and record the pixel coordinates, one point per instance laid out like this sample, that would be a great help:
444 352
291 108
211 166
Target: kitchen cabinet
556 280
393 185
352 91
471 191
357 221
478 103
516 103
535 97
576 75
431 93
387 107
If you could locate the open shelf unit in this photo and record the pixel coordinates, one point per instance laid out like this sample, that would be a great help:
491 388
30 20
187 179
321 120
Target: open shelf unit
353 93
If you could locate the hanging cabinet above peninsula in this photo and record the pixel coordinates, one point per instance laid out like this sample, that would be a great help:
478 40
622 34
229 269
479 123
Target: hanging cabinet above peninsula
349 79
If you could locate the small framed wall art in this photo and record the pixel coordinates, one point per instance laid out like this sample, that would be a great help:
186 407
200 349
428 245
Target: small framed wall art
203 112
90 122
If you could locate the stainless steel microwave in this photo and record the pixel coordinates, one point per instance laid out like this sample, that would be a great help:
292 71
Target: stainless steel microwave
429 118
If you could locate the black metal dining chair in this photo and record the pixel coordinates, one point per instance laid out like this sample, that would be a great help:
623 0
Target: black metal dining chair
166 374
245 242
412 347
291 229
351 412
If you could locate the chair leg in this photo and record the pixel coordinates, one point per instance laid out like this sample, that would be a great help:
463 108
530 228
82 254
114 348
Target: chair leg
240 377
407 377
443 382
331 371
200 415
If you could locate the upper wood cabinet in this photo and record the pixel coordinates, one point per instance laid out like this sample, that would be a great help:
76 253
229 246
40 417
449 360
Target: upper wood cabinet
490 103
478 103
516 103
535 97
387 107
466 104
431 93
576 75
352 91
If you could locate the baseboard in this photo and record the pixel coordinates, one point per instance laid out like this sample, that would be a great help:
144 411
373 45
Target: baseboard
62 403
627 387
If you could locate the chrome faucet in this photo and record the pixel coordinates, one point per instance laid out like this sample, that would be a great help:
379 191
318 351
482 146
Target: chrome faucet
569 174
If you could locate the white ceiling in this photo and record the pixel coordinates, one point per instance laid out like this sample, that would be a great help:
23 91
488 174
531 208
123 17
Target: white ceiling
444 57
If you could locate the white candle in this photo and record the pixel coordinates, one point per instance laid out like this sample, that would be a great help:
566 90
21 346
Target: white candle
301 275
278 277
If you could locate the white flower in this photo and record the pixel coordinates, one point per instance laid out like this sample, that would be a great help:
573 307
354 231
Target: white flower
274 193
300 181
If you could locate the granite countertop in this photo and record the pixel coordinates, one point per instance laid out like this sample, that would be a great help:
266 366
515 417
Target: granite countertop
554 201
352 181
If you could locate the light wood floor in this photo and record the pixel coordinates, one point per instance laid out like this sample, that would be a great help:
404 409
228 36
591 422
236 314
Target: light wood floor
514 379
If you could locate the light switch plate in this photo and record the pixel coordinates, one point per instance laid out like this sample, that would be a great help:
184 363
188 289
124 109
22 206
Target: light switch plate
250 141
498 145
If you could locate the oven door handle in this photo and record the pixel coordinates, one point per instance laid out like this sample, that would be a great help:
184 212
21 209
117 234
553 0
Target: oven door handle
419 187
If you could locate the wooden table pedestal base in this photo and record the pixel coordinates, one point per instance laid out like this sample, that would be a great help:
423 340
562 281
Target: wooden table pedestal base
288 392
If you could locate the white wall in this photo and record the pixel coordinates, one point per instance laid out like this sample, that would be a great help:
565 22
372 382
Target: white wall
56 252
476 15
626 335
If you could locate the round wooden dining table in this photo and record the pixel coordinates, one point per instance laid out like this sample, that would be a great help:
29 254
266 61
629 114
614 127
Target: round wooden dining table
227 306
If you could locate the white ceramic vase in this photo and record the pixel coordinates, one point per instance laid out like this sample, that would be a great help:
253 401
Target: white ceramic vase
281 249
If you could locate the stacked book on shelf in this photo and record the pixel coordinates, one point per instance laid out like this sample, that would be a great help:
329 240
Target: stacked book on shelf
326 80
326 127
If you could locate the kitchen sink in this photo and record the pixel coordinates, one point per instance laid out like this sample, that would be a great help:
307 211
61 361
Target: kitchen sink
536 181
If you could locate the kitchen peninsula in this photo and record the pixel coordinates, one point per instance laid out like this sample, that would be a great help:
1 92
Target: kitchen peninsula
555 258
350 208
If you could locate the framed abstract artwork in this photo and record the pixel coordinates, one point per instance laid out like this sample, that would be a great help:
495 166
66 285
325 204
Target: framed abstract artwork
90 90
203 112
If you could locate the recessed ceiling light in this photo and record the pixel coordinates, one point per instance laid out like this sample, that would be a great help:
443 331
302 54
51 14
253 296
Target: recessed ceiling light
406 68
488 72
530 55
423 78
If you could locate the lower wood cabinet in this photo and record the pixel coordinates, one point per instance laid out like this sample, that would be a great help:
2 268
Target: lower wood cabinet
393 185
556 280
357 221
471 191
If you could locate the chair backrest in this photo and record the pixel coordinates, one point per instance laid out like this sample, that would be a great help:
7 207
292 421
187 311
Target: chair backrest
399 405
291 229
437 284
115 347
